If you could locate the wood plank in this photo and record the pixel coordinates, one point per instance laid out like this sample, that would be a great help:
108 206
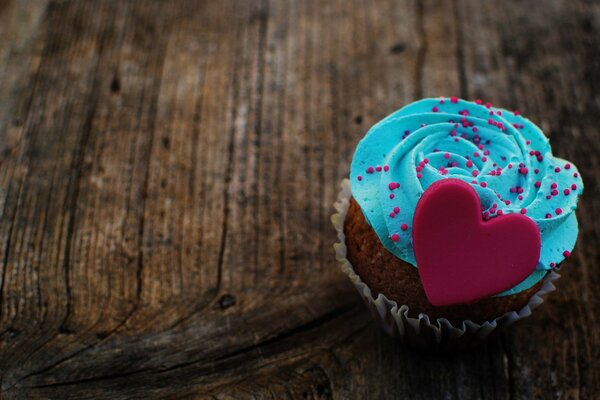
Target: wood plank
166 179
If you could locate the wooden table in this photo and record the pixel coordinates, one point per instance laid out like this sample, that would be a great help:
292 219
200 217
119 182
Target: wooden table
167 176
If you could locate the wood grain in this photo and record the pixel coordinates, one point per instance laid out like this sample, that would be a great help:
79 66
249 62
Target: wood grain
167 173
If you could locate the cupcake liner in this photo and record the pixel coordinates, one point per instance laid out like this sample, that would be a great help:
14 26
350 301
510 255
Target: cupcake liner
423 332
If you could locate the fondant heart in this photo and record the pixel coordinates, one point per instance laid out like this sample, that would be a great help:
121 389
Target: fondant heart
460 257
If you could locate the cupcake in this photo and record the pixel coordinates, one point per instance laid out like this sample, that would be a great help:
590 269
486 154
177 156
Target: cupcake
455 219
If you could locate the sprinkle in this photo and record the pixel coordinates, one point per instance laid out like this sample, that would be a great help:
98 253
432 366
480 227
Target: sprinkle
548 197
392 195
573 187
507 202
536 170
509 166
426 160
523 171
566 253
419 168
554 192
395 237
548 216
474 173
557 169
575 175
404 227
558 211
528 142
392 215
434 109
386 168
446 155
359 178
483 184
566 192
378 168
453 99
552 264
469 163
396 210
554 185
520 197
500 212
370 170
567 166
523 211
419 175
484 159
476 154
392 186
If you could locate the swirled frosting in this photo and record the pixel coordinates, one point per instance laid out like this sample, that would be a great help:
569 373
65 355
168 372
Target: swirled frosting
503 155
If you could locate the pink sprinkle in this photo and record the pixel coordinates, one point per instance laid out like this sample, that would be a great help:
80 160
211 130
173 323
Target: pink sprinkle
557 169
519 190
566 192
488 104
507 202
446 155
474 173
523 171
513 190
396 210
404 227
558 211
478 101
469 163
500 212
553 185
484 159
548 216
426 160
528 142
554 192
476 154
392 215
520 197
548 197
386 168
486 215
523 211
419 168
434 109
392 186
516 112
392 195
552 264
566 253
378 168
536 170
453 99
419 175
575 175
359 178
395 237
441 100
483 184
573 187
509 166
474 129
370 170
567 166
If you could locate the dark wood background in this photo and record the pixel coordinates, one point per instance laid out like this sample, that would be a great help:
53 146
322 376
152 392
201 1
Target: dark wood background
167 176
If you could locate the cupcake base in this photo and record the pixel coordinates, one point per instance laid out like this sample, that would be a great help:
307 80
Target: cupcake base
401 306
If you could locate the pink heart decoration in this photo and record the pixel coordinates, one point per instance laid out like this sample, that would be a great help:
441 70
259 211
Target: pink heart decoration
460 257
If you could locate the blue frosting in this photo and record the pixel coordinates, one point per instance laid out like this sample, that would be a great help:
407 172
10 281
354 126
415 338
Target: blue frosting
505 157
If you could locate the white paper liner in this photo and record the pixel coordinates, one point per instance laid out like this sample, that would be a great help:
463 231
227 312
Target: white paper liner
422 331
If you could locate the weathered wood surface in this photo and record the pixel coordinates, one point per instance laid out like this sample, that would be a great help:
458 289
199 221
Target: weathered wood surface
168 171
